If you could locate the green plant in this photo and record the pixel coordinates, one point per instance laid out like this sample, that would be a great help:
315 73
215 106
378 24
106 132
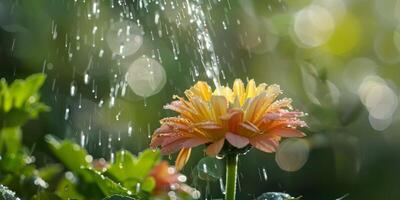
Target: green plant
128 176
19 102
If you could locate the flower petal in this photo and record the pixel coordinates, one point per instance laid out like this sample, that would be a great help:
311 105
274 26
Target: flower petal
265 143
200 89
181 107
237 140
202 108
247 129
214 148
182 158
232 119
239 91
210 129
287 132
180 143
225 92
219 106
251 89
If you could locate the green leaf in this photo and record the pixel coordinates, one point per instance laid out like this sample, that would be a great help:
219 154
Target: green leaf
6 96
71 154
129 168
148 184
11 138
118 197
48 172
66 189
124 166
35 81
46 196
6 194
276 196
146 161
25 90
19 93
20 100
13 163
106 185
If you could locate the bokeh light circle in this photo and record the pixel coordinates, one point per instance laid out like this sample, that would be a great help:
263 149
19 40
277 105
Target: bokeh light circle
356 70
313 26
380 101
337 8
292 154
124 38
385 47
146 77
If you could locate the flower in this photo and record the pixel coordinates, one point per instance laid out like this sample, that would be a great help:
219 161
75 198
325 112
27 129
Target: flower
241 116
164 176
167 179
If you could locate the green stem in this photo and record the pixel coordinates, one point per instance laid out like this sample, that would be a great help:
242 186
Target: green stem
231 176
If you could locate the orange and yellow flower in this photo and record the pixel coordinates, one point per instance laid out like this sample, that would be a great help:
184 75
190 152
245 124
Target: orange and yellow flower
242 116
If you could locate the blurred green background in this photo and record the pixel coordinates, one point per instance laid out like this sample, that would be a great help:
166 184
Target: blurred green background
111 65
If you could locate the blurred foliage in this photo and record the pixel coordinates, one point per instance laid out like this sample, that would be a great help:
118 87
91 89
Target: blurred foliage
126 176
19 102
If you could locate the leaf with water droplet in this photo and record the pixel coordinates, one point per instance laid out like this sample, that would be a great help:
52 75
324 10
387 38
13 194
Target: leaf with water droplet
7 194
130 170
46 196
106 185
118 197
276 196
71 154
210 169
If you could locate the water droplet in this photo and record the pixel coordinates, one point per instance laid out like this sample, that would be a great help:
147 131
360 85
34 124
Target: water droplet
130 129
86 78
222 186
82 139
73 88
66 115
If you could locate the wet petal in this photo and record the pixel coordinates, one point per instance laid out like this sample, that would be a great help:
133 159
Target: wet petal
239 91
254 106
180 143
219 105
202 109
237 140
287 132
208 125
180 107
279 104
200 89
225 92
247 129
261 88
251 89
210 129
182 158
273 91
232 119
214 148
265 143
